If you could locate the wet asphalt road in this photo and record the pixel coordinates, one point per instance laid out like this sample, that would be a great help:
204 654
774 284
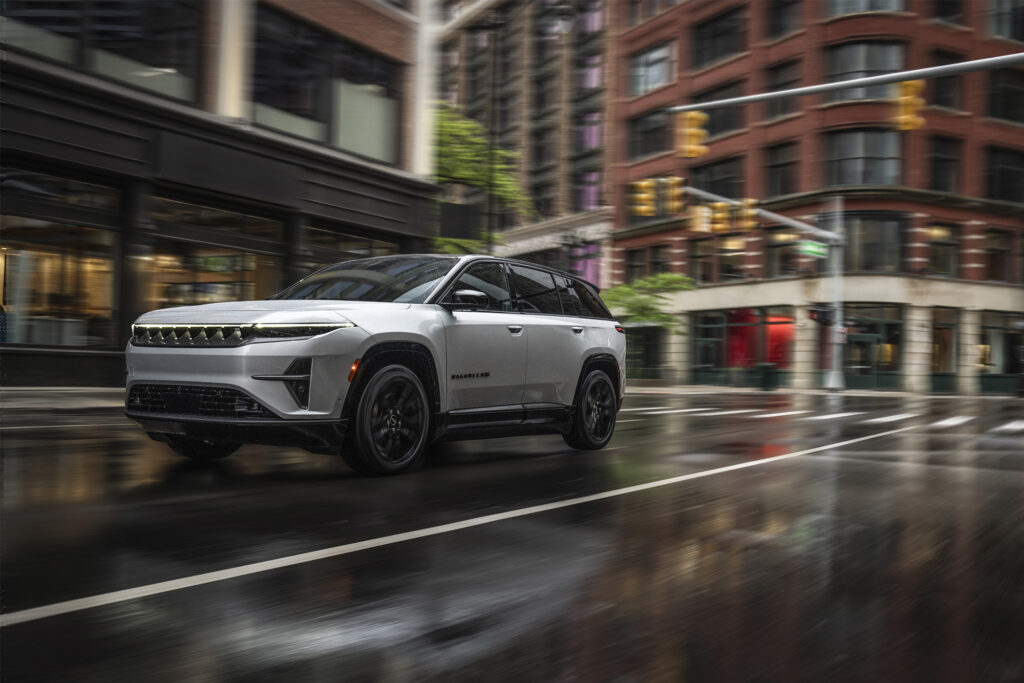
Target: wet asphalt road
889 547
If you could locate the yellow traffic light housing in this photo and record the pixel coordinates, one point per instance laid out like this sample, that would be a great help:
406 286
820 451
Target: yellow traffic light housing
700 218
720 217
908 105
747 215
674 196
643 198
691 134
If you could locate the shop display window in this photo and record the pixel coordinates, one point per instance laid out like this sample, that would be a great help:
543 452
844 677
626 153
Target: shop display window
184 274
56 284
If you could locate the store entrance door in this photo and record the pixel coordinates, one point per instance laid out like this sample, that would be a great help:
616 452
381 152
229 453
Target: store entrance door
707 361
860 361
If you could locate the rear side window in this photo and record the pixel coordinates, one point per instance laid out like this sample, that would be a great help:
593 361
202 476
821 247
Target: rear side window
589 299
534 291
571 302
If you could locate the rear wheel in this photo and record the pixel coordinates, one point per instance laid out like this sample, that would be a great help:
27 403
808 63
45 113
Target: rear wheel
392 423
593 419
202 449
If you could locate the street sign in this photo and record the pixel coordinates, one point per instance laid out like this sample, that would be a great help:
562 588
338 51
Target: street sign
812 248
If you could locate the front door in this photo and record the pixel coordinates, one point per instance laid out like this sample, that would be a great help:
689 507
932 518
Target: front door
860 361
707 361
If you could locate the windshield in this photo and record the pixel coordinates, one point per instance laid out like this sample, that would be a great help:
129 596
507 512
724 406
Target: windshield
399 279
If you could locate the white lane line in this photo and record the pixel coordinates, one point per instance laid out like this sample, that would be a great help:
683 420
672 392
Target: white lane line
44 611
954 421
633 410
831 416
618 422
732 412
889 418
1015 426
788 412
678 410
126 423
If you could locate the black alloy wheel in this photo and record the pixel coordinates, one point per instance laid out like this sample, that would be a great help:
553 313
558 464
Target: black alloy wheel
392 423
202 449
593 420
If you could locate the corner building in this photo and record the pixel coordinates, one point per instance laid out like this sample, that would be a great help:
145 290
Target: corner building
178 152
934 264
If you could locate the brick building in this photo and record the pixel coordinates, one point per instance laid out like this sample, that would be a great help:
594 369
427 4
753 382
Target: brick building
934 216
192 151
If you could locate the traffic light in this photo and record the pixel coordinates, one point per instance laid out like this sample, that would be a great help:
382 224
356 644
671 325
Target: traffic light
700 218
824 315
908 105
674 195
690 134
643 198
720 217
747 215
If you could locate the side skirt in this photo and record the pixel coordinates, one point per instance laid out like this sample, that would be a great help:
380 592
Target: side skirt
488 423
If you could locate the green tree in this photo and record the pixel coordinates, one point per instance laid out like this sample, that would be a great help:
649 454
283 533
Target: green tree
464 158
644 300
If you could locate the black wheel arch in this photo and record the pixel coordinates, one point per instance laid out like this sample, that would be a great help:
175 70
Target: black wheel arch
600 361
415 356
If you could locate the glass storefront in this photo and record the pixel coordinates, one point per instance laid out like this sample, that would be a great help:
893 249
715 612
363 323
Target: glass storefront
1000 356
184 274
873 350
56 283
944 347
736 346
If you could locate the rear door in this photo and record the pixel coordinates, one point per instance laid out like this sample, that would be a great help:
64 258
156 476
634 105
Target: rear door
556 343
486 348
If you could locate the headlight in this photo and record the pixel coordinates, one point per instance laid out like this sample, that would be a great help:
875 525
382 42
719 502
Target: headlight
281 330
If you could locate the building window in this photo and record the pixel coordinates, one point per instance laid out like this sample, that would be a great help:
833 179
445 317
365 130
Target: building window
723 178
153 46
874 242
590 72
650 134
544 199
945 166
1005 171
1006 19
782 77
720 37
315 85
650 69
723 119
588 131
783 17
782 256
543 147
782 175
56 284
591 16
946 89
997 256
586 191
729 345
944 248
1006 95
327 246
543 97
731 251
949 10
659 260
702 261
839 7
862 157
1001 347
634 12
636 265
860 60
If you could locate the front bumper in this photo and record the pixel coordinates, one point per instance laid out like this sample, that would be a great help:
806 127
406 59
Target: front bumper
318 436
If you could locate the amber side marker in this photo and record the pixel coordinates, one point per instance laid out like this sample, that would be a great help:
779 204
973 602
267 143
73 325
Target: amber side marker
352 371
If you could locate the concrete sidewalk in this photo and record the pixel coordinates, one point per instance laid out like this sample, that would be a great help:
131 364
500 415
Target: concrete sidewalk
22 400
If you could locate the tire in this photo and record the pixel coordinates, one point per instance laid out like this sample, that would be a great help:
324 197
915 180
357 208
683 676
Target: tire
201 449
392 423
593 418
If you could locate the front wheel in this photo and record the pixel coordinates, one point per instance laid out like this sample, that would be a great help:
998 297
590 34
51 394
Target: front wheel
202 449
392 423
593 419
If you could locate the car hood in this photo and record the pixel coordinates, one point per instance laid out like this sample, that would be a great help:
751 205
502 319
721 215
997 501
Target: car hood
284 310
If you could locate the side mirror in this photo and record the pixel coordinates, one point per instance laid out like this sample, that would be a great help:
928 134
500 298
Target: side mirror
467 300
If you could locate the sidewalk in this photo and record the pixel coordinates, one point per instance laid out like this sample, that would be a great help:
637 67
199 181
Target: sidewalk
23 400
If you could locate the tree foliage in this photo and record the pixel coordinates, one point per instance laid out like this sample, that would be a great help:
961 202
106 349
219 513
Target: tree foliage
464 158
644 300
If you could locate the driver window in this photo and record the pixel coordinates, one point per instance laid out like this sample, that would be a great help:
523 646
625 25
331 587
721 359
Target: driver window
490 279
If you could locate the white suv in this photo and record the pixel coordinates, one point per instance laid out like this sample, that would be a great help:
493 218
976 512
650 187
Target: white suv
377 358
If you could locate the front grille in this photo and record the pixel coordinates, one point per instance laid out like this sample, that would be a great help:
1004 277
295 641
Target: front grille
191 335
170 399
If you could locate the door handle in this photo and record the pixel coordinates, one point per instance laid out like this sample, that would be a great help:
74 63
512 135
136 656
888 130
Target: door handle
515 329
577 330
